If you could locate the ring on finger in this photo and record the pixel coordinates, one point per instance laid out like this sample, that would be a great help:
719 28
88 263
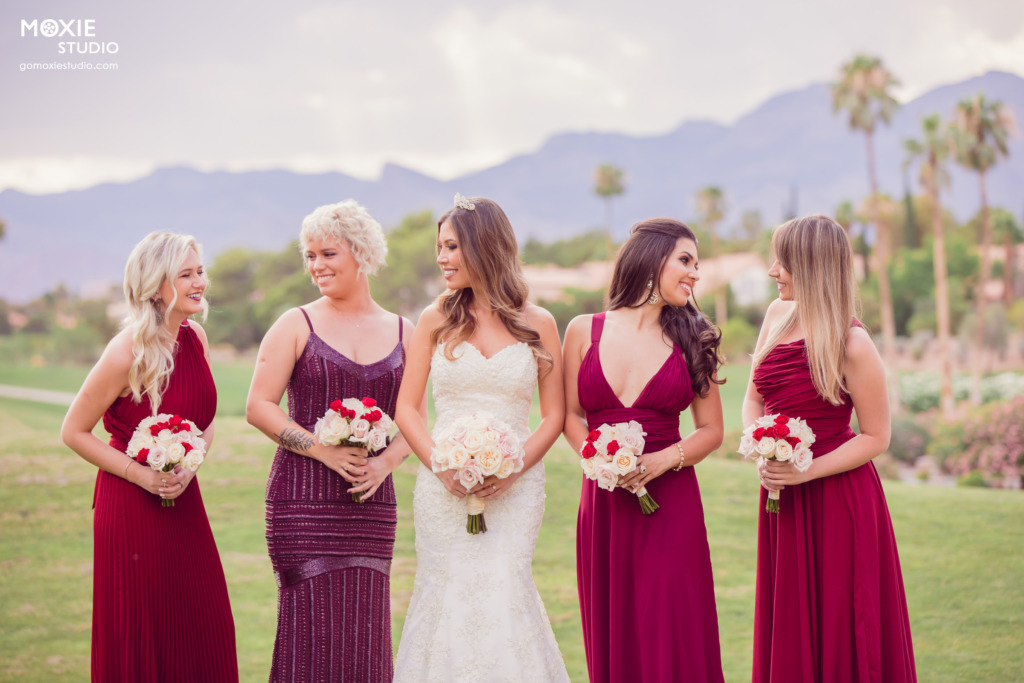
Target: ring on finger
643 469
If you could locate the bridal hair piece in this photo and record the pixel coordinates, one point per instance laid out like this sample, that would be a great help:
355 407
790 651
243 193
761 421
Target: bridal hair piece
463 203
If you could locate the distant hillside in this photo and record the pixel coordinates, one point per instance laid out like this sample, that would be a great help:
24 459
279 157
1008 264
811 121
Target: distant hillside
792 141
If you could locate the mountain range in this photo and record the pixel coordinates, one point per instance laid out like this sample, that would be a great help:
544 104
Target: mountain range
791 150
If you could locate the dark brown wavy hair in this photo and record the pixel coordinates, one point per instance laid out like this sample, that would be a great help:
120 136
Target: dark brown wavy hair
490 255
641 259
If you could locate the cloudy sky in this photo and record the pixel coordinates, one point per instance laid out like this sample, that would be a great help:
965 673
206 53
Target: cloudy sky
443 86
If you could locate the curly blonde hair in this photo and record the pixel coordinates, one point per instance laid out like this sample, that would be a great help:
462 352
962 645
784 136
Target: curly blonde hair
347 221
154 261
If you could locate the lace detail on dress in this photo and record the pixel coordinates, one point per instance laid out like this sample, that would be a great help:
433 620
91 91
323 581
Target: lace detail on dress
475 614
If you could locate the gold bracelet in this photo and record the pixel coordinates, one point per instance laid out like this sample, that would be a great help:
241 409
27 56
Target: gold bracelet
130 461
682 457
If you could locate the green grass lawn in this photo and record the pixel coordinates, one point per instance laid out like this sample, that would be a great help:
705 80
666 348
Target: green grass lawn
961 549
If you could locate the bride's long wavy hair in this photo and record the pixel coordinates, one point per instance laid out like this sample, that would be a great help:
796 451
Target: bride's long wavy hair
641 259
490 256
817 253
154 261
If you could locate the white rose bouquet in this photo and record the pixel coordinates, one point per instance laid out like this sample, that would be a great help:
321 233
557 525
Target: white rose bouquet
609 453
163 441
477 446
778 437
354 422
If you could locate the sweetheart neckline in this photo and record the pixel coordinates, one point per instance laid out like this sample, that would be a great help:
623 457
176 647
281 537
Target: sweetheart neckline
496 353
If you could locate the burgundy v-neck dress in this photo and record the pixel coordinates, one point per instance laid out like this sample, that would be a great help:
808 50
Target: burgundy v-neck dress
647 596
830 605
160 602
331 555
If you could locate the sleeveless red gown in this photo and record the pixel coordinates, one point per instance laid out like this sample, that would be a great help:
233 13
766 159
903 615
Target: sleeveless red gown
160 602
647 596
830 605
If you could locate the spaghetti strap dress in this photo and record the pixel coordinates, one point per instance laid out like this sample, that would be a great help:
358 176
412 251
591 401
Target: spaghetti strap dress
160 601
647 596
331 555
830 605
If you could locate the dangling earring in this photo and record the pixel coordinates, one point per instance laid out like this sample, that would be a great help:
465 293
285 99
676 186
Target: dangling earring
653 298
159 313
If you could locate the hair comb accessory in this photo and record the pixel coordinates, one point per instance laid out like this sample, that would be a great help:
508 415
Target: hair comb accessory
463 203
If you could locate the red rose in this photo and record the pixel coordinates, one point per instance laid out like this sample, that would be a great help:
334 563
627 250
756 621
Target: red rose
187 446
155 429
143 454
185 427
175 420
612 447
780 431
781 419
594 435
588 450
375 416
350 414
336 406
369 402
758 433
793 441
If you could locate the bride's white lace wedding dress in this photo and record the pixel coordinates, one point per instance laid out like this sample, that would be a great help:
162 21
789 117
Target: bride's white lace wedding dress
475 614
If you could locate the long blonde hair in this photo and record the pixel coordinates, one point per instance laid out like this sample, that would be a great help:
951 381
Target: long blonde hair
817 253
490 255
153 261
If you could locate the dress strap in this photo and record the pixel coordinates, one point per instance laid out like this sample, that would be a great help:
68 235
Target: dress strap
306 315
596 327
400 326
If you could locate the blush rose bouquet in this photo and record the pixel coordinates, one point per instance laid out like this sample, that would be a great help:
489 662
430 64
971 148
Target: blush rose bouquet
354 422
164 441
609 453
778 437
477 446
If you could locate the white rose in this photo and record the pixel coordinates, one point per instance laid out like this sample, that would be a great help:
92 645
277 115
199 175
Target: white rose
489 458
192 460
480 422
458 456
385 424
474 440
197 443
360 429
632 440
624 463
601 442
491 437
509 445
607 477
165 438
378 439
765 446
354 404
457 432
765 421
157 458
439 459
746 445
589 467
175 452
802 458
508 466
783 451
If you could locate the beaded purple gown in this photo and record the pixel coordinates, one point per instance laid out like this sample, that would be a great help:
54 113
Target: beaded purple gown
331 555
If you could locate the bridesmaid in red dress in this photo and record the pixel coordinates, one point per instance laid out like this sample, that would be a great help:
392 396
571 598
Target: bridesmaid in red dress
828 574
160 602
647 597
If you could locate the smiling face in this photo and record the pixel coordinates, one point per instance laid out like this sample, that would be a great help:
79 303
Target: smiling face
449 257
679 275
332 266
189 284
784 280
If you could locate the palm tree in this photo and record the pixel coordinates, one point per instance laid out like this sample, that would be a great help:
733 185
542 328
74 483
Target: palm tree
932 151
608 184
711 205
980 130
863 91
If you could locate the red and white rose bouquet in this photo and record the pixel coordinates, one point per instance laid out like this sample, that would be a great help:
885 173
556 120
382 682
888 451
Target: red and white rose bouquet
477 446
165 440
609 453
354 422
778 437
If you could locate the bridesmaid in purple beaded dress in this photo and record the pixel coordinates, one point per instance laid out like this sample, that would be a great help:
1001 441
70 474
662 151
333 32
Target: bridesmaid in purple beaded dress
331 554
647 596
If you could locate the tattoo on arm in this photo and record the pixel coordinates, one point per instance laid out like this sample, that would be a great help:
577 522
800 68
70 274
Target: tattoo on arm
295 440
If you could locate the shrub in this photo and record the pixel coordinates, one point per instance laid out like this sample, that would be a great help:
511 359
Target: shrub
909 440
989 441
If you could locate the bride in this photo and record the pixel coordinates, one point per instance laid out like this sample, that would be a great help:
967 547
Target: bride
475 614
